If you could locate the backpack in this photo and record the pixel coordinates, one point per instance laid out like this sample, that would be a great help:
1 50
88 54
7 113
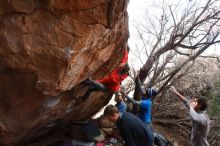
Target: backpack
160 140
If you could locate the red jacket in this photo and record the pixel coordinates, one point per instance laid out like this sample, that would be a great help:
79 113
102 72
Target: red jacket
114 80
125 57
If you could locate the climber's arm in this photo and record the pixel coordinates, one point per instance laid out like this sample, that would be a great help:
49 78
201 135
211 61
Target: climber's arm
140 86
130 99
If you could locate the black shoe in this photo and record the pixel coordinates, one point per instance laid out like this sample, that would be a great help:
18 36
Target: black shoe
87 81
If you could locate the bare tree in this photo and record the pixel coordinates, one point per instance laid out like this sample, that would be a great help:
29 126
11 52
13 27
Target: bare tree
172 43
176 34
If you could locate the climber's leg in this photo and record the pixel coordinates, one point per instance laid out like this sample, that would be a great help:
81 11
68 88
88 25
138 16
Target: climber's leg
94 86
88 92
97 86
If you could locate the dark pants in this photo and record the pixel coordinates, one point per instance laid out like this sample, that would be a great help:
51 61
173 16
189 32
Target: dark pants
93 86
151 138
150 126
149 141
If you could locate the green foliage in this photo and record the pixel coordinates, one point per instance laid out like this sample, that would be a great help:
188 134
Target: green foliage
214 97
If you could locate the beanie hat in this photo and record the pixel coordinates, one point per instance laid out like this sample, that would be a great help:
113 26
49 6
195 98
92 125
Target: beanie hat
151 92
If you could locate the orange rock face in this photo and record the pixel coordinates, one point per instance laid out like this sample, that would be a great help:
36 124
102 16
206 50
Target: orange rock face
47 47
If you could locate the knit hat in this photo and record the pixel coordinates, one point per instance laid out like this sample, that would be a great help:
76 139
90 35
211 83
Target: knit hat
151 92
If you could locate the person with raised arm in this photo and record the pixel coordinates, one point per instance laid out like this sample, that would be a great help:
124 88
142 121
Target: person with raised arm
145 103
200 120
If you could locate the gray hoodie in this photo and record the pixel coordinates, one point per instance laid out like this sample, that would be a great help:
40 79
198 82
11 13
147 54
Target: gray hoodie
200 126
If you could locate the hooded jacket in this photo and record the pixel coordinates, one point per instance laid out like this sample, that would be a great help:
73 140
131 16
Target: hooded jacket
114 79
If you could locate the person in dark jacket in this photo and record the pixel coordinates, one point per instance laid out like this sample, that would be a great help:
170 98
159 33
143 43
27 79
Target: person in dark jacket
132 129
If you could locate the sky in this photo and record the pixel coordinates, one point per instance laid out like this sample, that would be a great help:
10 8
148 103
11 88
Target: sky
137 9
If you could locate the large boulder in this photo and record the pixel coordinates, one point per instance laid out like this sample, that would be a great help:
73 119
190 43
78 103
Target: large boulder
47 48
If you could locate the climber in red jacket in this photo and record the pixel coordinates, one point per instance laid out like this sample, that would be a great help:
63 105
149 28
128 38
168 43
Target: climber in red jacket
112 81
124 59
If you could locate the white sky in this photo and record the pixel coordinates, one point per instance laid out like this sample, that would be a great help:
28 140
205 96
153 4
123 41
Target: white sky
137 10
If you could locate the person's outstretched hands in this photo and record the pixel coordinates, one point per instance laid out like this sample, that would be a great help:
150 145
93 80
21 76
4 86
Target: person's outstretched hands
181 97
173 89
